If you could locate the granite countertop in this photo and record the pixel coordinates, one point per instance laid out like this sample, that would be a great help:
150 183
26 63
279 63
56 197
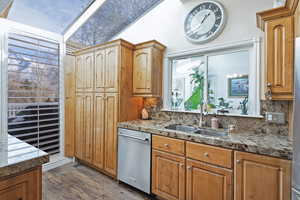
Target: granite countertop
17 156
264 144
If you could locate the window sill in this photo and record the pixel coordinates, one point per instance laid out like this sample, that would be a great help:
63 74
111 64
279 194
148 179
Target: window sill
227 115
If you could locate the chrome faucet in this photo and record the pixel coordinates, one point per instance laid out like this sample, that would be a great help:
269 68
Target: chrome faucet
203 113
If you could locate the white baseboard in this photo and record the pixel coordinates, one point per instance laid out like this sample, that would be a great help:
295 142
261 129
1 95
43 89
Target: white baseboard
57 163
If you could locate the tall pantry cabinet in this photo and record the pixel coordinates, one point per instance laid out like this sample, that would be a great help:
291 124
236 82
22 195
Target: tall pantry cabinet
103 91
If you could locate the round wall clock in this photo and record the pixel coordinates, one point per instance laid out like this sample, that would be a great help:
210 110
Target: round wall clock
205 22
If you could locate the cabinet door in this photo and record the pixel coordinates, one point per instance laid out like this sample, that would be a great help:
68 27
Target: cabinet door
89 72
69 72
88 127
111 119
79 74
261 177
99 130
208 182
79 126
23 187
168 175
112 69
142 62
84 127
280 57
100 70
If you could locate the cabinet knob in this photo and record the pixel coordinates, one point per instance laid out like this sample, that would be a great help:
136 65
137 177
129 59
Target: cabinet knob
181 165
238 161
189 167
206 154
166 145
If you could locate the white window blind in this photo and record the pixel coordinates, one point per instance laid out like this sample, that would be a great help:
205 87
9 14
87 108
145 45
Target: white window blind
33 91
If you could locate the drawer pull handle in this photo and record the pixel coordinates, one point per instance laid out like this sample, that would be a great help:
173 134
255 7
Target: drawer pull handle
166 145
206 154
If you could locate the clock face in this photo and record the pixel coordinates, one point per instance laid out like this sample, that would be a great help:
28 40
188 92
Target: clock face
205 22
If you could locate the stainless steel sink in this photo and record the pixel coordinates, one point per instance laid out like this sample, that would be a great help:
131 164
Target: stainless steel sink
192 129
211 132
183 128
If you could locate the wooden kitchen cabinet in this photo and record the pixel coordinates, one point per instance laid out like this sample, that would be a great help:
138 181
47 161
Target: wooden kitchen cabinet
84 127
26 186
106 69
208 182
111 119
69 80
147 69
168 175
279 27
84 72
103 77
99 130
280 58
105 131
112 69
100 70
261 177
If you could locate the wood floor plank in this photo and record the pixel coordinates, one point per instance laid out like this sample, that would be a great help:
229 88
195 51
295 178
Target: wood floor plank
79 182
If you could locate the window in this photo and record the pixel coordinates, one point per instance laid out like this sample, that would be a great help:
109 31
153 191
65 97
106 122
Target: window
224 81
188 76
33 91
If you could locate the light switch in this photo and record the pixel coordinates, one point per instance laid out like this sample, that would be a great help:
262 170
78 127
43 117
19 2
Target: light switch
275 117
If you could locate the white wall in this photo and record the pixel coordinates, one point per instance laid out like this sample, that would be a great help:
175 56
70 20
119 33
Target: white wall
165 23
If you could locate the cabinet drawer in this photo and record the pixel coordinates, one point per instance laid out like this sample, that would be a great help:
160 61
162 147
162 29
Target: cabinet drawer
213 155
168 144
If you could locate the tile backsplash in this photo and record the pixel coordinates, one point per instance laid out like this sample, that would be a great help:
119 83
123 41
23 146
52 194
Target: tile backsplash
243 124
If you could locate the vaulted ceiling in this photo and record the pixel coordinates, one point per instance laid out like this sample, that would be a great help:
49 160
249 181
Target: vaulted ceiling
110 19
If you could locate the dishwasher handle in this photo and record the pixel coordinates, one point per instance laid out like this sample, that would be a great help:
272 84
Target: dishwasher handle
136 138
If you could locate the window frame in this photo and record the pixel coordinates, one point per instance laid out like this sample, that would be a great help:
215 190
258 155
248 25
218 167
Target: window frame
252 45
6 27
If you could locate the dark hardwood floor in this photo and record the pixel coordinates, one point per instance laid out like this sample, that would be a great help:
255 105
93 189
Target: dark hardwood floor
71 182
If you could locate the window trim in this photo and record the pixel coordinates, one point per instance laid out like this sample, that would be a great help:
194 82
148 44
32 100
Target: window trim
254 47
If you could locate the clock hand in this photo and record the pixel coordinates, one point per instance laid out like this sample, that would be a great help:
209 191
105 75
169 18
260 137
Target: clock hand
199 26
206 16
195 29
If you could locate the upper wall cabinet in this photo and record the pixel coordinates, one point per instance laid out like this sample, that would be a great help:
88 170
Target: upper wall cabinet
280 58
147 69
278 25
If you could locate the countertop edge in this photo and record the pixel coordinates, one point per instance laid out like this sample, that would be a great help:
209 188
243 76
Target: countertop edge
19 167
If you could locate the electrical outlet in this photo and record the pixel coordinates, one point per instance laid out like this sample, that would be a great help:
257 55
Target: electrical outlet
275 117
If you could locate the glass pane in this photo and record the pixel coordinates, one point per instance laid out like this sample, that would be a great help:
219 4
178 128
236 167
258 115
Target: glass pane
188 80
228 83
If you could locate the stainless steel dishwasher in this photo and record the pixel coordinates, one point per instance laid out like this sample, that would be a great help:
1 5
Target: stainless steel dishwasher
134 159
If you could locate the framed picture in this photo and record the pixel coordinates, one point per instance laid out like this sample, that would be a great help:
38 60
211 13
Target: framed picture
238 87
